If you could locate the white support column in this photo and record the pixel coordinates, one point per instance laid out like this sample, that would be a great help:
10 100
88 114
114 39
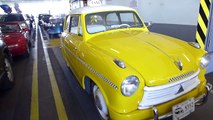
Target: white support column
209 42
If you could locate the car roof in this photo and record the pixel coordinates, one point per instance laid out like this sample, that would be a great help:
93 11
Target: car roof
86 10
12 14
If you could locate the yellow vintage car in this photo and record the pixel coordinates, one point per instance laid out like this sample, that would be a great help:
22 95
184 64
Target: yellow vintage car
132 73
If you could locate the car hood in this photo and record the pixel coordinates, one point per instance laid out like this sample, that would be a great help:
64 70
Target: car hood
154 56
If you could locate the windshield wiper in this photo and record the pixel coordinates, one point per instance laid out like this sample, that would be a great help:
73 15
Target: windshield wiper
137 25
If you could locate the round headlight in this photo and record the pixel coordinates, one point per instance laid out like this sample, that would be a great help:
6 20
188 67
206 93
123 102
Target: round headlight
129 85
205 60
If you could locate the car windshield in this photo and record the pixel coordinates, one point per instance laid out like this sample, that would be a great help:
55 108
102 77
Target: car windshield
7 28
103 21
11 17
55 20
46 18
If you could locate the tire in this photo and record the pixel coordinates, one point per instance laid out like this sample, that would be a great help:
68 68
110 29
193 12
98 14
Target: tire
30 43
8 78
27 53
99 102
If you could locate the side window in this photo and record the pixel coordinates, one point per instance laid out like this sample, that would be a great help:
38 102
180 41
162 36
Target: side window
74 24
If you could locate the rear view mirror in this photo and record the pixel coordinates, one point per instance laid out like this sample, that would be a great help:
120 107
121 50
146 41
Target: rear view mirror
149 24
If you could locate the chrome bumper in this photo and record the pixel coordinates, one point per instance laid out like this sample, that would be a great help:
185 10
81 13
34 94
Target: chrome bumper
198 101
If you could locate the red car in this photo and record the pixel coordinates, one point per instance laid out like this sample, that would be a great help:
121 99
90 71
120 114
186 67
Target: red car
16 37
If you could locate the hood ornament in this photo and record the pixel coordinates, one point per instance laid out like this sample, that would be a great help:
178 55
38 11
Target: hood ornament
179 64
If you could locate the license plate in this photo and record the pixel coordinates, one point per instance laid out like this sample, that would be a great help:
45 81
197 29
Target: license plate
183 109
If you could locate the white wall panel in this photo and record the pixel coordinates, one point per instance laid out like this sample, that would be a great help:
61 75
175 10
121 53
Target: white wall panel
38 7
183 12
209 42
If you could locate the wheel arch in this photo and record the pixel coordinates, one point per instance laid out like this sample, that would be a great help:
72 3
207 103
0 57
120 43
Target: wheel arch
87 84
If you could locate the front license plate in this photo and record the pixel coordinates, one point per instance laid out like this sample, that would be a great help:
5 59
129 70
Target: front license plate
183 109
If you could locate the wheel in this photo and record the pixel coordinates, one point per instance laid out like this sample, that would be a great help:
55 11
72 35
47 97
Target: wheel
100 103
30 43
8 76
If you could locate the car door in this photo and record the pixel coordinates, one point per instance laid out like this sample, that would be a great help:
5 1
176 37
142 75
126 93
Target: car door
73 40
67 44
64 41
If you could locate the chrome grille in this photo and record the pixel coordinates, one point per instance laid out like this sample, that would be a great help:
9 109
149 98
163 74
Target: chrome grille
180 77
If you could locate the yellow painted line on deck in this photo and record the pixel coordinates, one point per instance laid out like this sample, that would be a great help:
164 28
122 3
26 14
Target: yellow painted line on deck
34 112
56 93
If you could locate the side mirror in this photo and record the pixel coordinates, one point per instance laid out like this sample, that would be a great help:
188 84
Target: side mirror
149 24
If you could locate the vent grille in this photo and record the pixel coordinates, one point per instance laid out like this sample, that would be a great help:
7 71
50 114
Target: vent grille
180 77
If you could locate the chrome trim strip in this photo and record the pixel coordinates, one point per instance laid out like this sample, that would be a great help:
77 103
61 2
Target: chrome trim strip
209 86
180 77
155 112
90 68
165 116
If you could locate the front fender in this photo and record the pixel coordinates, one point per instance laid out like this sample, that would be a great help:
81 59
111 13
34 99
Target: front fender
102 70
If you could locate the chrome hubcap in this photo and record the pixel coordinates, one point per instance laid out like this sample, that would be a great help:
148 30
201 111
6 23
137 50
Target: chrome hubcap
100 103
